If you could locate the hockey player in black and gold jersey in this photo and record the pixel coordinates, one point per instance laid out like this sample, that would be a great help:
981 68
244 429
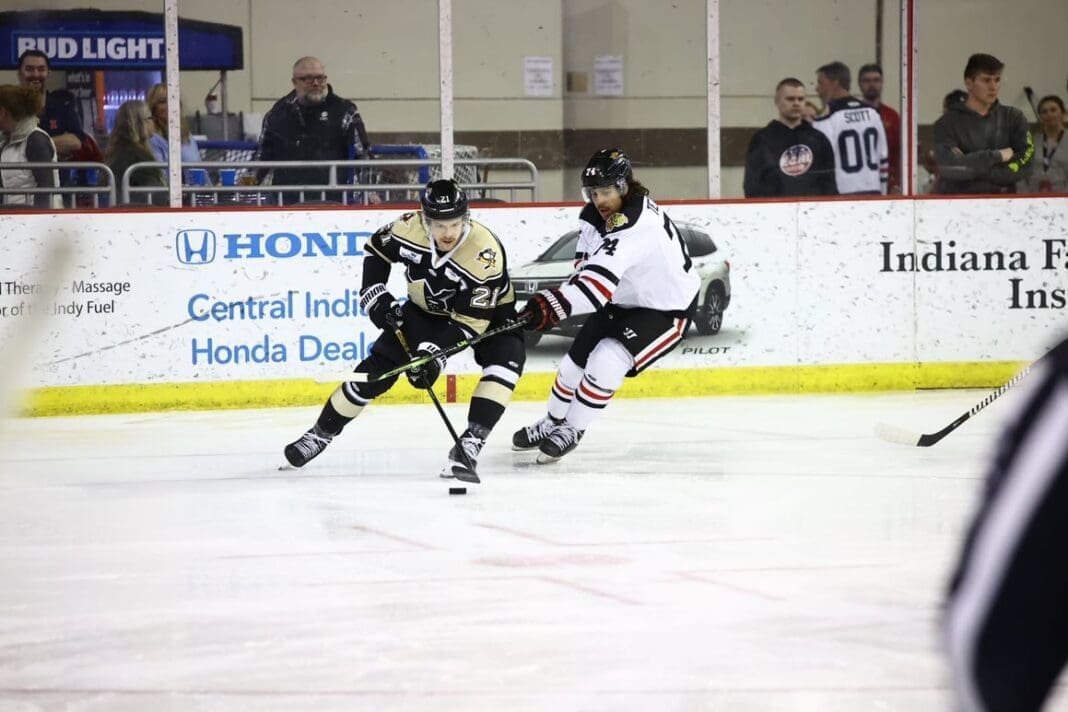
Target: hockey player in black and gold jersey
458 287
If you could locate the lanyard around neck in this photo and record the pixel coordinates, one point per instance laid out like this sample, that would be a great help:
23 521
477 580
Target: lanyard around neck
1047 152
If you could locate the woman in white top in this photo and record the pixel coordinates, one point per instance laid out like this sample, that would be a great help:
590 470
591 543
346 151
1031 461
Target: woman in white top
1050 174
22 141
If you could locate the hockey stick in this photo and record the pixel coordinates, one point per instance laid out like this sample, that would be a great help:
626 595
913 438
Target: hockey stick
19 345
901 436
360 377
467 474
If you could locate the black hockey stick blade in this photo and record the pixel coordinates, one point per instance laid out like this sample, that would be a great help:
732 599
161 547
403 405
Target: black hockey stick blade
901 436
465 474
894 434
353 377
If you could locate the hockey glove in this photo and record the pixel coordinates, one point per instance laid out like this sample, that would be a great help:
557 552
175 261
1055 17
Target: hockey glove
425 375
384 311
545 310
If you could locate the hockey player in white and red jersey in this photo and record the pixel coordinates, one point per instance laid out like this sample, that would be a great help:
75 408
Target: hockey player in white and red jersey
635 278
856 133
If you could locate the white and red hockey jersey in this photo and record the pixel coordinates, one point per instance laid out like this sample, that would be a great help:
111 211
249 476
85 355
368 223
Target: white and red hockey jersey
857 135
635 258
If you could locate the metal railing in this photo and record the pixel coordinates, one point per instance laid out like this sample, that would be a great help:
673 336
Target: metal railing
94 191
345 192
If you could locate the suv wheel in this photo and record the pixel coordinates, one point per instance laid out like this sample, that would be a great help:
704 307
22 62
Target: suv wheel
709 317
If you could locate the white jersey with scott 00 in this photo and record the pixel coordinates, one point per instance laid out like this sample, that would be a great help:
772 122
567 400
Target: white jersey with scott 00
857 135
635 258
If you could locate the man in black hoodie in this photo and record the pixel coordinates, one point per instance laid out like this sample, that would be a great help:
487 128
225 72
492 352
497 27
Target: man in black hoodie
982 146
311 123
788 157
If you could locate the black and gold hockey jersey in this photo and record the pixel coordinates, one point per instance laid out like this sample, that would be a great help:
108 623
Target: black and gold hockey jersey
468 284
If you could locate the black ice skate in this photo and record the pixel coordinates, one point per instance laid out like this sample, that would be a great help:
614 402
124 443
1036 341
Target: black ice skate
562 439
531 436
306 448
463 468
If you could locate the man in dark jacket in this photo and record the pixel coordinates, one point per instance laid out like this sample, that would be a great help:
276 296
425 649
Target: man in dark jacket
60 117
788 157
311 123
982 146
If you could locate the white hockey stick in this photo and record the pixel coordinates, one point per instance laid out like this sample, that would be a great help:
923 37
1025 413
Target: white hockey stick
17 350
894 434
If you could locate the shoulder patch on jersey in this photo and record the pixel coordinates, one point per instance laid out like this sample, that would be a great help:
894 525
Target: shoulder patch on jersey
410 255
488 258
615 222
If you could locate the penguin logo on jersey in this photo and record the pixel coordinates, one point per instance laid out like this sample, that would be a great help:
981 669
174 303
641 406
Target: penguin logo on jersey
615 222
488 258
437 301
796 160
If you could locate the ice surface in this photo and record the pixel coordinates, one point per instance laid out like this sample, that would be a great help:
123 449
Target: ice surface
750 553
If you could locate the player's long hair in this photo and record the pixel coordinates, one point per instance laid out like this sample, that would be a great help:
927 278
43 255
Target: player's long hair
635 190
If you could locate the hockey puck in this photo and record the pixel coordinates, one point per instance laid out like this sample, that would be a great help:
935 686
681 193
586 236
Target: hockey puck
457 490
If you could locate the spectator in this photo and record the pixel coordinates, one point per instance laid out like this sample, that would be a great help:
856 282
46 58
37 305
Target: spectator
1006 619
60 117
311 123
982 146
157 105
23 141
870 81
1051 175
788 157
927 155
856 132
129 144
810 111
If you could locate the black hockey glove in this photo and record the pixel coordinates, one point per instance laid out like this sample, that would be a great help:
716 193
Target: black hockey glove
425 375
390 316
385 312
545 310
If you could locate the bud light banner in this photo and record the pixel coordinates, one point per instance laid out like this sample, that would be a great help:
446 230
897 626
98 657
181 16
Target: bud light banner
98 39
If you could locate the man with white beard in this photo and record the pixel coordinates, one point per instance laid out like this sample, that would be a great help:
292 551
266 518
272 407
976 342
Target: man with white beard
311 123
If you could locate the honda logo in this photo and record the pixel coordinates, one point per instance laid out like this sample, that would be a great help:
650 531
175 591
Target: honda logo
195 247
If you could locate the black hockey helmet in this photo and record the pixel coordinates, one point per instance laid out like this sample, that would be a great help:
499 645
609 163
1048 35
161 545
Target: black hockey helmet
607 167
444 200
